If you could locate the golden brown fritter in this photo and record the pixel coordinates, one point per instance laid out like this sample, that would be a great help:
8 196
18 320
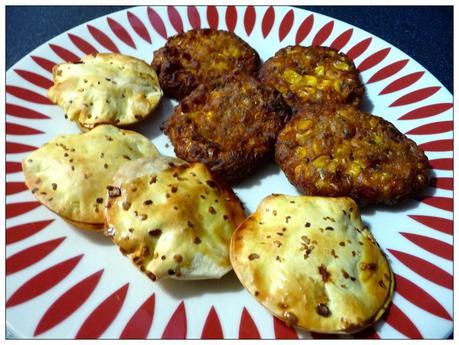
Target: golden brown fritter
201 56
313 75
341 151
231 127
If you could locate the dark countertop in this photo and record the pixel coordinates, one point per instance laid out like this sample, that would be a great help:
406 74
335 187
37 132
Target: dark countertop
423 32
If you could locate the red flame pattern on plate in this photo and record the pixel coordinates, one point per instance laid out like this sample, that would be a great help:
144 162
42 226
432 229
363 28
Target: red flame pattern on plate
157 22
120 32
43 63
397 319
231 18
322 35
14 129
15 187
68 303
442 163
175 19
83 45
442 183
342 39
286 25
249 19
437 223
35 78
415 96
101 317
23 112
27 257
419 297
18 208
27 95
212 17
432 245
103 39
388 71
193 17
13 167
427 111
441 202
304 29
18 148
359 48
140 323
247 327
20 232
64 54
438 145
176 328
138 27
282 331
43 281
432 128
402 83
425 269
212 327
373 59
268 21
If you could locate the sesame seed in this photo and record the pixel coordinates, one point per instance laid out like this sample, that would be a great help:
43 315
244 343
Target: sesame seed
212 210
54 186
100 200
253 256
126 205
148 202
155 232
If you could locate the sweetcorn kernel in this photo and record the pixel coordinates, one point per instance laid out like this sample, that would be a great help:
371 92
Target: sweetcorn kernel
301 152
321 161
304 124
340 65
337 85
319 71
291 77
309 80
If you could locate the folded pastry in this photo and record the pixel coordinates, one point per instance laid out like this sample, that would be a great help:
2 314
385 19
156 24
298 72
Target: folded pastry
70 174
172 218
312 263
105 88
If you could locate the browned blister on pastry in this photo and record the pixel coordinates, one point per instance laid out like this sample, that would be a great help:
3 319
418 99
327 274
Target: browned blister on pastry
312 263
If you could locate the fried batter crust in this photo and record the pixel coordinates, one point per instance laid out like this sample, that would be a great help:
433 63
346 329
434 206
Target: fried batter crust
339 150
313 75
201 56
231 127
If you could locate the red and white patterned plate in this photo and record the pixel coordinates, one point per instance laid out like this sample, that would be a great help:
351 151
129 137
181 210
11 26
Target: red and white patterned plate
62 282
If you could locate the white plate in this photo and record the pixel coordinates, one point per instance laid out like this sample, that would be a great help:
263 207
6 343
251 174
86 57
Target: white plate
63 282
